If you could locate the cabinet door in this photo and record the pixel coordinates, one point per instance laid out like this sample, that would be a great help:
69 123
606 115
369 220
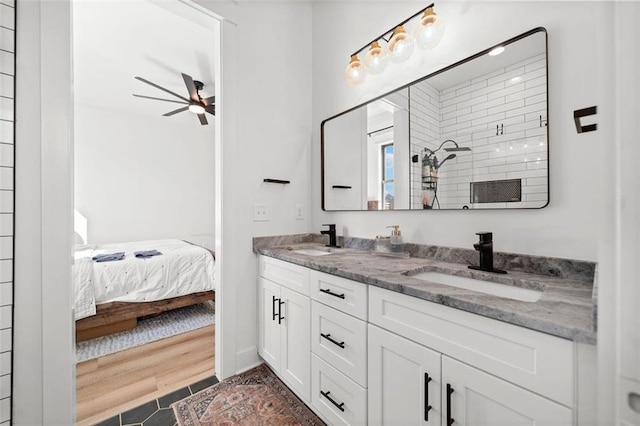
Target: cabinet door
269 332
404 381
479 398
295 365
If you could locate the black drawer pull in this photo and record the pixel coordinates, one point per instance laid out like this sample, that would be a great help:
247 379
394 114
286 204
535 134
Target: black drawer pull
327 291
326 395
273 308
280 317
327 336
450 420
427 407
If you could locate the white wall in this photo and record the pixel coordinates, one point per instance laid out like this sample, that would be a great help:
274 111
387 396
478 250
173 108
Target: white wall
565 228
266 72
139 175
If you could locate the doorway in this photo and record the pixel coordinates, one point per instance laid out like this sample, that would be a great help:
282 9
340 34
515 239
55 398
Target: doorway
142 177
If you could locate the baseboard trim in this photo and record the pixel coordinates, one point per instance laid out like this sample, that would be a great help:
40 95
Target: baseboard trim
247 359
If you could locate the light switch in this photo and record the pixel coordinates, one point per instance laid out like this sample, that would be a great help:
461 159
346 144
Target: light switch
261 213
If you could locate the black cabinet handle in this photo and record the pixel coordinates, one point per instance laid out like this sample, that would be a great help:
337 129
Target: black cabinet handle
450 420
427 407
280 317
327 336
326 395
327 291
273 308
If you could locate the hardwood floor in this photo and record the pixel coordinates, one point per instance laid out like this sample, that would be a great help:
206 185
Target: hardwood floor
115 383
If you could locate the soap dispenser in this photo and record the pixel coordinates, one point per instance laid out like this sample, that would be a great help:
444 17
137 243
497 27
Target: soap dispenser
396 245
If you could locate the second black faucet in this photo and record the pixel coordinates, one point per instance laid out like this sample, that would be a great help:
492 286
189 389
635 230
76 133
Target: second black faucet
485 248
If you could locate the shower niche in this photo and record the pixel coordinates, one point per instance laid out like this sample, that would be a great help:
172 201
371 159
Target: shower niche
471 136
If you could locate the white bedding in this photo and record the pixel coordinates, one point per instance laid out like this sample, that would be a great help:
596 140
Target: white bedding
181 269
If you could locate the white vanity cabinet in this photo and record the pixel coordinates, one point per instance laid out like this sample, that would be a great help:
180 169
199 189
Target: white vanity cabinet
284 323
404 381
339 349
363 355
533 364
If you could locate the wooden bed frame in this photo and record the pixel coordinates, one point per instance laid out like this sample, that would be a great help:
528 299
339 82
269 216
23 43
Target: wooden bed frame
120 316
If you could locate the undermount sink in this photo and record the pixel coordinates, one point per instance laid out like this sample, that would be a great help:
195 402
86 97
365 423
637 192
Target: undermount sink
487 287
312 251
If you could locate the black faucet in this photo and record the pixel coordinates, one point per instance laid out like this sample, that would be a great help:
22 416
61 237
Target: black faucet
331 232
485 248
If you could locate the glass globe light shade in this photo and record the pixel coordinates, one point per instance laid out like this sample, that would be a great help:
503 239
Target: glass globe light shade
355 72
400 46
430 30
376 59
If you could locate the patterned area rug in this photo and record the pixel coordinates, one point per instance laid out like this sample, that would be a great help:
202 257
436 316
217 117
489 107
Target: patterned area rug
149 330
256 397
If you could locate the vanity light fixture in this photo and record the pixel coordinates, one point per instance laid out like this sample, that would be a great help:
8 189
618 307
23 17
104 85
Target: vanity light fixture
430 31
355 72
376 59
399 46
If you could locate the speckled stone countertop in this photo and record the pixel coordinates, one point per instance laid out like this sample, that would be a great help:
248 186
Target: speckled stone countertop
565 309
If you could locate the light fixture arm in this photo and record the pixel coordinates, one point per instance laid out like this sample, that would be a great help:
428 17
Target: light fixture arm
393 28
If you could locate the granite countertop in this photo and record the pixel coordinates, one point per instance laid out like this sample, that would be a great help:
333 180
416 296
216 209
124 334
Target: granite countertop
565 309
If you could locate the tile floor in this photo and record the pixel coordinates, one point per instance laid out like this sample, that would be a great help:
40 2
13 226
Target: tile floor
157 412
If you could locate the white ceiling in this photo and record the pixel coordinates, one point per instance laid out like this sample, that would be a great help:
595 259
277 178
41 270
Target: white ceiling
114 41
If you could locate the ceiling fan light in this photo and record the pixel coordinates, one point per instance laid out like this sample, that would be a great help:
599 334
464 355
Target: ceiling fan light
376 59
400 46
196 108
355 73
430 30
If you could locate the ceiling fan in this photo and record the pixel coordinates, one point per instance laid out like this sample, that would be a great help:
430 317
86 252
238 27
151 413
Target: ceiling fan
195 103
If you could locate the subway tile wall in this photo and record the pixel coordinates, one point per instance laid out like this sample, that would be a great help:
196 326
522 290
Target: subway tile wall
7 72
502 116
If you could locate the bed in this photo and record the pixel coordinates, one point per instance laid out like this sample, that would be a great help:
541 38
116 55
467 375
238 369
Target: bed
110 296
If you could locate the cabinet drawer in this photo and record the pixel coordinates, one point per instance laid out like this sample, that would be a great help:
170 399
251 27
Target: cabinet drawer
292 276
340 293
340 340
533 360
336 397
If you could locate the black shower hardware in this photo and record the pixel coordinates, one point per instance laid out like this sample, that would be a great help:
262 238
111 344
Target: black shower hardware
331 232
449 157
485 248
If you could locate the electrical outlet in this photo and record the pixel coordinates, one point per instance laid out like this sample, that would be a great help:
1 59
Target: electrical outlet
299 212
261 213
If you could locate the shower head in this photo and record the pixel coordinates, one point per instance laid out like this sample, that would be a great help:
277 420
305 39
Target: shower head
449 157
458 149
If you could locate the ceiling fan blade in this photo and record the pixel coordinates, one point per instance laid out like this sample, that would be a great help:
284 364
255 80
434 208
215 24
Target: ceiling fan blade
175 111
203 119
162 88
211 109
158 99
191 87
209 101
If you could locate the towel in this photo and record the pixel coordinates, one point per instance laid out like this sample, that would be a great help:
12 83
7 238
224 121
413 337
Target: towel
145 254
108 257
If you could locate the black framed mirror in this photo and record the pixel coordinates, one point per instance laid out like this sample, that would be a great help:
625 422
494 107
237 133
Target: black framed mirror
473 135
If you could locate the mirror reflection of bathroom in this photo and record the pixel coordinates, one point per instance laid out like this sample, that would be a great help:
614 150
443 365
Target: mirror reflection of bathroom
387 143
472 136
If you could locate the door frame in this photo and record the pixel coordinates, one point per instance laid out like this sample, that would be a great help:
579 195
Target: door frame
44 344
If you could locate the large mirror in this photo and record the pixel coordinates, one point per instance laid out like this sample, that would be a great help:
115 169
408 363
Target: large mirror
471 136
